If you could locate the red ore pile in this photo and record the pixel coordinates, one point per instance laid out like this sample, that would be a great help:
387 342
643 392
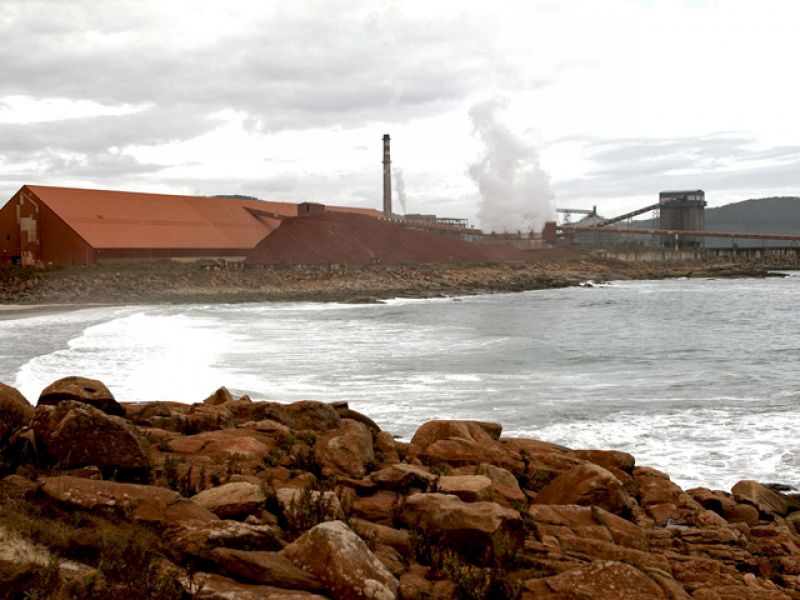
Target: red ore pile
344 238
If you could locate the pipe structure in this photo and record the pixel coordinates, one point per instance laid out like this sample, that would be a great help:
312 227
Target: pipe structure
387 179
680 233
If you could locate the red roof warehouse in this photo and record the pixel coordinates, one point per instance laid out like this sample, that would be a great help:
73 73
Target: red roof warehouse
54 225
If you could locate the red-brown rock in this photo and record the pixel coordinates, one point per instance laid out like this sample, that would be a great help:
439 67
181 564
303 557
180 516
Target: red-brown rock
602 580
81 389
543 467
270 568
608 459
381 534
738 592
505 487
341 559
303 415
245 448
385 448
402 477
460 443
587 485
347 450
590 522
221 396
196 539
477 530
768 502
235 499
75 434
210 586
470 488
139 502
15 412
663 500
381 507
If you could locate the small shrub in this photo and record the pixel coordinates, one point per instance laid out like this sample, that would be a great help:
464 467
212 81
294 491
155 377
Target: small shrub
307 509
494 582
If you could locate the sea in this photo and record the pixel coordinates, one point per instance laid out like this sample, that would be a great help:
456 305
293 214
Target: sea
699 378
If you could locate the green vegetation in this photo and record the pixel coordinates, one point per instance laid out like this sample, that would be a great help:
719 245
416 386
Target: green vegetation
124 559
497 581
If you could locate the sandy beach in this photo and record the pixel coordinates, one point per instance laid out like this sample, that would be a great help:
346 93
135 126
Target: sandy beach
24 311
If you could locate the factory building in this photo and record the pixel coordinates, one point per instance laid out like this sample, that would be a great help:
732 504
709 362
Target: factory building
44 225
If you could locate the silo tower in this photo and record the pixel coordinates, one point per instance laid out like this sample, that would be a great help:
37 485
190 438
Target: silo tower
683 210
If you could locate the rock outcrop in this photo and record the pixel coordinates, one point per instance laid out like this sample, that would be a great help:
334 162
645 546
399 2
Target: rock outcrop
235 498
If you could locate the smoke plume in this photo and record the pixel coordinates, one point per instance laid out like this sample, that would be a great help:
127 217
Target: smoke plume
400 188
515 191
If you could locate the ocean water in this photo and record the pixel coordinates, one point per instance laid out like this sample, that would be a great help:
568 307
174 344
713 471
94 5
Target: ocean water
699 378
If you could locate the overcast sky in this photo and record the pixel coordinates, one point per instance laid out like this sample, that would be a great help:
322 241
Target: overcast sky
618 99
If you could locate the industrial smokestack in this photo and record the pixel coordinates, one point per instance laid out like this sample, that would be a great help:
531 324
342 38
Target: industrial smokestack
387 179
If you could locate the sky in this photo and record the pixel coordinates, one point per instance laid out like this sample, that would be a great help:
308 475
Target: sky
590 102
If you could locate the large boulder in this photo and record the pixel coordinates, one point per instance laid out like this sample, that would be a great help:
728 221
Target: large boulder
347 450
300 416
235 499
221 396
73 434
245 450
601 580
477 530
15 412
380 507
542 467
768 502
589 522
738 592
505 487
459 443
613 460
139 502
663 500
84 390
587 485
270 568
338 557
196 539
399 539
210 586
403 477
470 488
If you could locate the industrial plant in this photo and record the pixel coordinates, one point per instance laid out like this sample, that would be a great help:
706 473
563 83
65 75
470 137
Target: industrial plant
43 225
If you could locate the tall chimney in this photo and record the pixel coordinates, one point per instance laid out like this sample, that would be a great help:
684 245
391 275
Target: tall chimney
387 179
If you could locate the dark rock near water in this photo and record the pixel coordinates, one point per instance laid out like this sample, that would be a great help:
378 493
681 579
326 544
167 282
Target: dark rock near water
81 389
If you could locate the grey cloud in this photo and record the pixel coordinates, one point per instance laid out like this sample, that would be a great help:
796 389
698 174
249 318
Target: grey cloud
102 166
347 64
646 166
153 125
619 184
287 71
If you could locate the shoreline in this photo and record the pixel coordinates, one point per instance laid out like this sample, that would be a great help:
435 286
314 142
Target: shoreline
182 283
9 312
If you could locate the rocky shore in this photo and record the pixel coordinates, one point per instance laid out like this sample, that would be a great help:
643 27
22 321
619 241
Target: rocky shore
218 281
236 499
